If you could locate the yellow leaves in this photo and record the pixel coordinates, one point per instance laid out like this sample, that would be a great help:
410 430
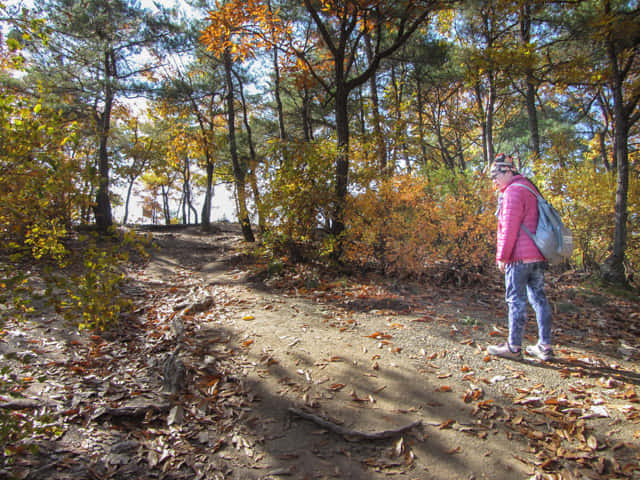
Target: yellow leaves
242 27
585 197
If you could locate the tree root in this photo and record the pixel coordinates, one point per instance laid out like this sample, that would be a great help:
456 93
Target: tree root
353 435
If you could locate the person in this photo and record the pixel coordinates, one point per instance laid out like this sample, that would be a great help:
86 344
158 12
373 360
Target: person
521 262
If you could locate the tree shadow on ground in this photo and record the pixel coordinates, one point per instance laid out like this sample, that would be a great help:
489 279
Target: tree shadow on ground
439 448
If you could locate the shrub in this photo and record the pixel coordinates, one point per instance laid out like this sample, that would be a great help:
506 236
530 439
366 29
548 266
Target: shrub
585 196
298 197
412 226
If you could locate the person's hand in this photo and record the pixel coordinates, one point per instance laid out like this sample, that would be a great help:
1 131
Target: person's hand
501 266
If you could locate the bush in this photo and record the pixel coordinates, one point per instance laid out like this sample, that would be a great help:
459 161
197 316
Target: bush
585 196
413 226
92 298
298 197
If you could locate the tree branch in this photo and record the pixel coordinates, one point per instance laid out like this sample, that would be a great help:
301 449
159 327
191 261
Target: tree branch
353 435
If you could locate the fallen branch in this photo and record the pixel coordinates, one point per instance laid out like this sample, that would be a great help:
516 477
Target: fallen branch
25 403
353 435
130 410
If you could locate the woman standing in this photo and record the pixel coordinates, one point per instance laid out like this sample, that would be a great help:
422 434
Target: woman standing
521 262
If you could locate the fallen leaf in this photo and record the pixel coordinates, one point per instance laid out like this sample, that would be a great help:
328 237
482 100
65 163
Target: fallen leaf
446 424
379 335
354 396
398 448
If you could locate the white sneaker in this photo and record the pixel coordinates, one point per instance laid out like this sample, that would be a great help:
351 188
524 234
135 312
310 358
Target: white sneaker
504 350
541 352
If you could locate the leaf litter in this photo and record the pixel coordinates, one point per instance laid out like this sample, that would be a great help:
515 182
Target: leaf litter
104 414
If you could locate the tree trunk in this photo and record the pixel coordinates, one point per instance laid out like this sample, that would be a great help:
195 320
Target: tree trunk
342 160
375 103
420 108
532 118
276 86
238 172
613 267
530 93
253 160
306 116
128 200
208 195
166 212
483 124
102 208
491 101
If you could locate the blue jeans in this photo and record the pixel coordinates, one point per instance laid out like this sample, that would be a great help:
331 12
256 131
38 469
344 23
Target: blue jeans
525 281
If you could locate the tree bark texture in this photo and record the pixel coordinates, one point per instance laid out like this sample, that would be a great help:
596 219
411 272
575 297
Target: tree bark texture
238 171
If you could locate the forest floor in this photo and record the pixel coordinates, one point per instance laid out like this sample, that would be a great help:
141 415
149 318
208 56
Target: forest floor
309 374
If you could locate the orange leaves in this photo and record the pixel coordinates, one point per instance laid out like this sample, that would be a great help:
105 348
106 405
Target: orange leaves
446 424
410 224
241 27
379 335
472 395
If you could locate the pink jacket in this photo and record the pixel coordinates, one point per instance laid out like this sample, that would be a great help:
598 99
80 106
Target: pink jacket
518 206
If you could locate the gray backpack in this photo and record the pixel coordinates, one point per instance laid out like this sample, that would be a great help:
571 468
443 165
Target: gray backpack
552 237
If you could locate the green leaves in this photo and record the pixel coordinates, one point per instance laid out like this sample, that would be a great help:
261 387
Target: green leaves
93 298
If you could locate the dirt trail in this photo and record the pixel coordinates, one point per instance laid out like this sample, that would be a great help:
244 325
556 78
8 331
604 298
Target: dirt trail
297 376
387 355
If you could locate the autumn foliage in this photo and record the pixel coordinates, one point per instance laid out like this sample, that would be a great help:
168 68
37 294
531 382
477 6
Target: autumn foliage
241 28
298 196
38 179
585 196
414 226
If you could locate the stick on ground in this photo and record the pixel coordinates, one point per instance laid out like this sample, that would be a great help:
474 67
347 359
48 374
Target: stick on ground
353 435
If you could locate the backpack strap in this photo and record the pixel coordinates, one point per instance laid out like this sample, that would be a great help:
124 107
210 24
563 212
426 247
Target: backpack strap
538 195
